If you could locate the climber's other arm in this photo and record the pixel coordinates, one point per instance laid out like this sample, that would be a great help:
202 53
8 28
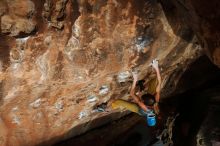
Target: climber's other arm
158 88
134 96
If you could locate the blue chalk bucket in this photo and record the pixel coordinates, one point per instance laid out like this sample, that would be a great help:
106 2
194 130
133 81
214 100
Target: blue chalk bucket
151 119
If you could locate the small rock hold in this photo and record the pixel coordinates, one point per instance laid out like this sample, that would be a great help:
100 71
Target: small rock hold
59 106
103 90
37 117
92 98
36 103
16 119
72 45
47 40
22 40
123 76
76 28
15 109
42 63
83 114
16 55
58 25
100 108
143 42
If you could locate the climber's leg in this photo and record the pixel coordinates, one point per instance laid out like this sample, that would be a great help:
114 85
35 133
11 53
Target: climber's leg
119 103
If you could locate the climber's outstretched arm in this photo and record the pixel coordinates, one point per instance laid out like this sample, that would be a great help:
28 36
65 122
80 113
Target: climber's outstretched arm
134 96
158 88
135 76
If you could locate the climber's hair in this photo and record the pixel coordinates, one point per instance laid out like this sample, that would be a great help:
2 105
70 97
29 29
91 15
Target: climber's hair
140 84
148 99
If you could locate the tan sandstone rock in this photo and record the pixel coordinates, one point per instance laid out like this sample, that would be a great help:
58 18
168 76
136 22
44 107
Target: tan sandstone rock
52 80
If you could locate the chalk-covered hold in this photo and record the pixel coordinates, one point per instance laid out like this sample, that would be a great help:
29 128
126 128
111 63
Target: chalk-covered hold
100 108
47 40
142 42
103 90
14 109
83 114
92 98
123 76
59 106
16 55
22 40
16 120
36 103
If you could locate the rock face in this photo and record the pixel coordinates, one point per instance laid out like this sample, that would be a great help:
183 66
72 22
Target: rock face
203 17
17 17
61 59
198 124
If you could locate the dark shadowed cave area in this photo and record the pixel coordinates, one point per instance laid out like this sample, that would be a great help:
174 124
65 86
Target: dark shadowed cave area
196 101
64 62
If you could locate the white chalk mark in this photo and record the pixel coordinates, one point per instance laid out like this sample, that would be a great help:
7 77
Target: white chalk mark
123 76
103 90
36 103
83 114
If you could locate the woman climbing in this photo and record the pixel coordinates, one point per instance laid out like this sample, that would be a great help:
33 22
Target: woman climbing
143 102
147 100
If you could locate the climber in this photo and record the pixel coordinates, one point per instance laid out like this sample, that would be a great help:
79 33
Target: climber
147 100
143 102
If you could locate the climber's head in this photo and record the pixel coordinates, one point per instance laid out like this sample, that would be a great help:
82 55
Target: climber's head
148 99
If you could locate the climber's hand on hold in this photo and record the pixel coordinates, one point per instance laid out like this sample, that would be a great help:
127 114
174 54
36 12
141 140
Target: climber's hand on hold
135 75
154 64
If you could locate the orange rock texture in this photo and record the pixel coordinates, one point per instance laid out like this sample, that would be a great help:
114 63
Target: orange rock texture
60 59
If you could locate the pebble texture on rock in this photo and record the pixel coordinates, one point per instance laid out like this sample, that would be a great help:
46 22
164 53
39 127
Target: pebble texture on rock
60 59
